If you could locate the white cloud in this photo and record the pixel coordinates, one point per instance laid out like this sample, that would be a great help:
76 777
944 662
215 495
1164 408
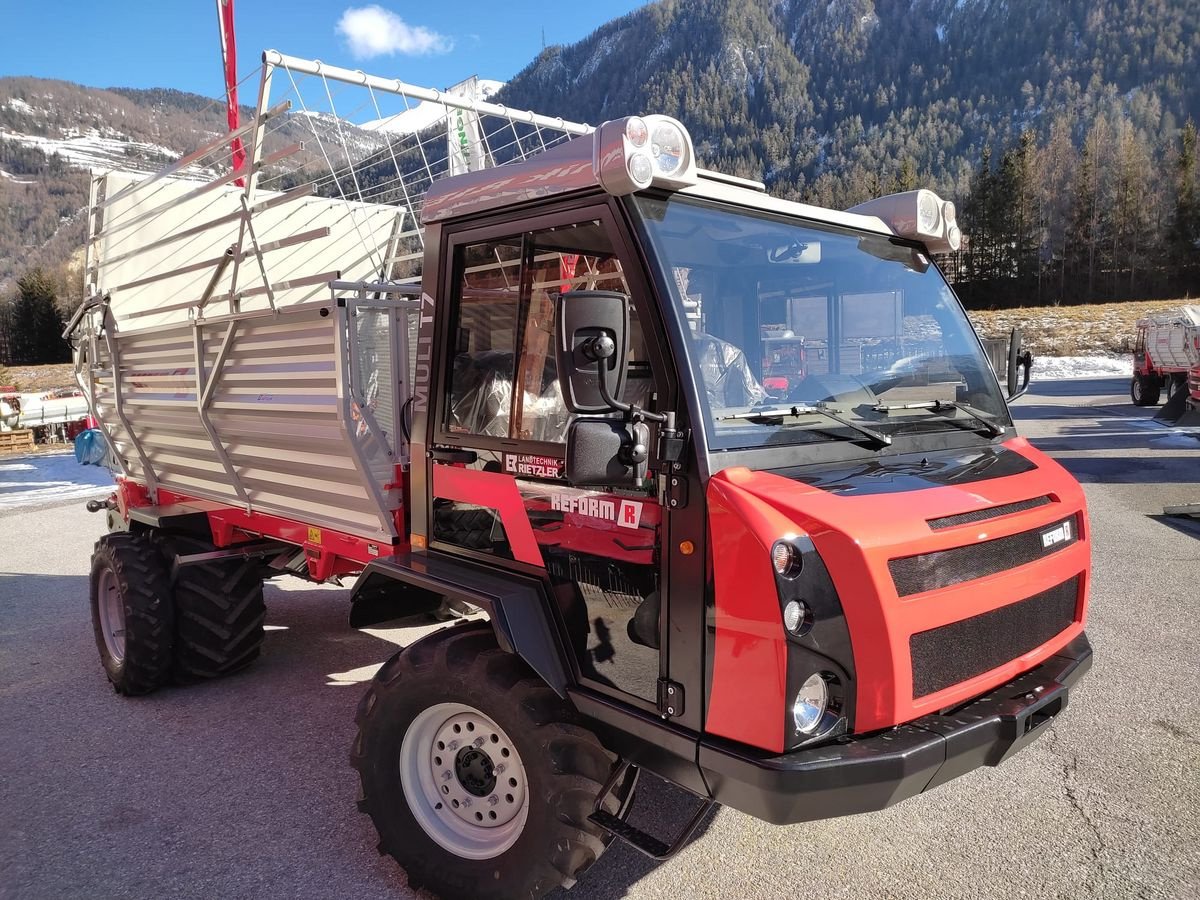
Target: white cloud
374 31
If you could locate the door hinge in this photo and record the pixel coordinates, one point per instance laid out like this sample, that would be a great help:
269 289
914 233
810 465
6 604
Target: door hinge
670 697
673 487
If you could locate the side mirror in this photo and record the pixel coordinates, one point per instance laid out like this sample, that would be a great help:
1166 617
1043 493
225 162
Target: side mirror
1017 358
591 348
606 453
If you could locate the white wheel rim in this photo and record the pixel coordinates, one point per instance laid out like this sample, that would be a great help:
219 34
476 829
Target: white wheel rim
464 781
112 614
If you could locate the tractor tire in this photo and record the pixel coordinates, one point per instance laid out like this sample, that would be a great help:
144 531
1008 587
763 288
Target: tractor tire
1175 382
132 614
478 777
219 612
1144 390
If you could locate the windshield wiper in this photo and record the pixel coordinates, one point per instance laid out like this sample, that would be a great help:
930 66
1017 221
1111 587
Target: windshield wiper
819 409
940 406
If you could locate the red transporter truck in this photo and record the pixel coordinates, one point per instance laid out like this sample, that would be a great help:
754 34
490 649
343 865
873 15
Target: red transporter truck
806 598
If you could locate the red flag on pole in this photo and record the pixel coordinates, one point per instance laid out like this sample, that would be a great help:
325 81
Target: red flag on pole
229 64
567 263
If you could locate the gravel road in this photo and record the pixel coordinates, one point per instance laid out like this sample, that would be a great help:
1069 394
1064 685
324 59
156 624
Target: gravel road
241 788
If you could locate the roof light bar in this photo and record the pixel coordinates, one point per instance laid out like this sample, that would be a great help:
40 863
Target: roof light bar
638 152
918 215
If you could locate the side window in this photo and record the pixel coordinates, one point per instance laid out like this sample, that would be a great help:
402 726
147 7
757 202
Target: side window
484 336
503 378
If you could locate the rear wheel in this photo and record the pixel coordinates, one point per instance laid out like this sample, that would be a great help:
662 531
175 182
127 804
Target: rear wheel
219 612
1144 390
131 613
477 776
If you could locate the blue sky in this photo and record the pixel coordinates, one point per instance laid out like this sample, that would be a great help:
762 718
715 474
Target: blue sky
174 43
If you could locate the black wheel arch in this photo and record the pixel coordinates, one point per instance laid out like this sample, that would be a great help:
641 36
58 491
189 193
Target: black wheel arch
518 607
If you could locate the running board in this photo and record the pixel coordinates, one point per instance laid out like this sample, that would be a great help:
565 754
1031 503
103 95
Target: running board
641 841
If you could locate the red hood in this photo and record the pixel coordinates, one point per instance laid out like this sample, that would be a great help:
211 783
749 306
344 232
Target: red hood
856 536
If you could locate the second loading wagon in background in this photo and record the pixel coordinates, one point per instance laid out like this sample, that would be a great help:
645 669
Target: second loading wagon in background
1167 356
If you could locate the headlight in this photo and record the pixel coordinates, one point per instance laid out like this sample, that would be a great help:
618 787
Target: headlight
637 131
949 214
640 169
796 618
667 144
927 212
786 559
810 704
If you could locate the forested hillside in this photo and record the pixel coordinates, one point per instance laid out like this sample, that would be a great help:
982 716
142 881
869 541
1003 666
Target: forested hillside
1055 125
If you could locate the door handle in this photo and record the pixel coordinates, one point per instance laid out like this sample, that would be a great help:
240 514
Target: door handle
453 455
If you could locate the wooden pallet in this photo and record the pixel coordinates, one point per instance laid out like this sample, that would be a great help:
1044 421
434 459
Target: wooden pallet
16 441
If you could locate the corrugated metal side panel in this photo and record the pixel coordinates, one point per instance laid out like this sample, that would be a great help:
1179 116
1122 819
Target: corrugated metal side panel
106 411
276 411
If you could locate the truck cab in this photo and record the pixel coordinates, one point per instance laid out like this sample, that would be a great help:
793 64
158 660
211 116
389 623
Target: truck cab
798 516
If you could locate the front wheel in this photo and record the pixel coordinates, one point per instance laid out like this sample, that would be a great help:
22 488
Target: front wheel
477 776
1144 390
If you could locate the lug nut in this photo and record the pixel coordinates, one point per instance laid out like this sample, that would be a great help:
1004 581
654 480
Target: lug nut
493 800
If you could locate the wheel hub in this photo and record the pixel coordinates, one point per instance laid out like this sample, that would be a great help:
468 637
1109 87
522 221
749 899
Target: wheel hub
475 771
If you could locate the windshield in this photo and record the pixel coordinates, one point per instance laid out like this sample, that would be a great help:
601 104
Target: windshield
791 322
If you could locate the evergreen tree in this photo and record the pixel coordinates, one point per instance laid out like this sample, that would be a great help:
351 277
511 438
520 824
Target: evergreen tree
35 324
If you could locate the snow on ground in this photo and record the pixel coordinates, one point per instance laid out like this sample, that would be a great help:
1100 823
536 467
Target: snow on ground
14 179
49 478
1048 367
88 150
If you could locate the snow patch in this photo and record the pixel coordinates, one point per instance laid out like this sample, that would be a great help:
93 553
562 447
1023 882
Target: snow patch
9 176
16 103
425 114
1046 367
50 478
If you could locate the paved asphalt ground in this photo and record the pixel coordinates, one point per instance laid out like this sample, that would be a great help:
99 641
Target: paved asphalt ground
241 788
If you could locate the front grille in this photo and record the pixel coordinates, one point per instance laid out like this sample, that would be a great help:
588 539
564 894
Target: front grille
992 512
942 568
951 654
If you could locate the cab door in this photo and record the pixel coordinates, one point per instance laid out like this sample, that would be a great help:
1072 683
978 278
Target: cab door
497 430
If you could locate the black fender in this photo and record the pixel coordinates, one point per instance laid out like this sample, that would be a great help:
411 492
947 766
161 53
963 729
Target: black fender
518 606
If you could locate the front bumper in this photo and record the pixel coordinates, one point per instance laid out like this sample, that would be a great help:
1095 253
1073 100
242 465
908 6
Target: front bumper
862 774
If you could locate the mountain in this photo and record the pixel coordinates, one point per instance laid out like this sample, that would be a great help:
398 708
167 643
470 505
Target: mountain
53 132
1058 126
850 89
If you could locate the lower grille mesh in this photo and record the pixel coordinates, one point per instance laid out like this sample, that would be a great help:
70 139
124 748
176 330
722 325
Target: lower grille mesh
945 656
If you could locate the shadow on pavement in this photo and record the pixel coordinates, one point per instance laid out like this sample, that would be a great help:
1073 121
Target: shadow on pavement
280 730
1135 470
1185 524
1078 387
